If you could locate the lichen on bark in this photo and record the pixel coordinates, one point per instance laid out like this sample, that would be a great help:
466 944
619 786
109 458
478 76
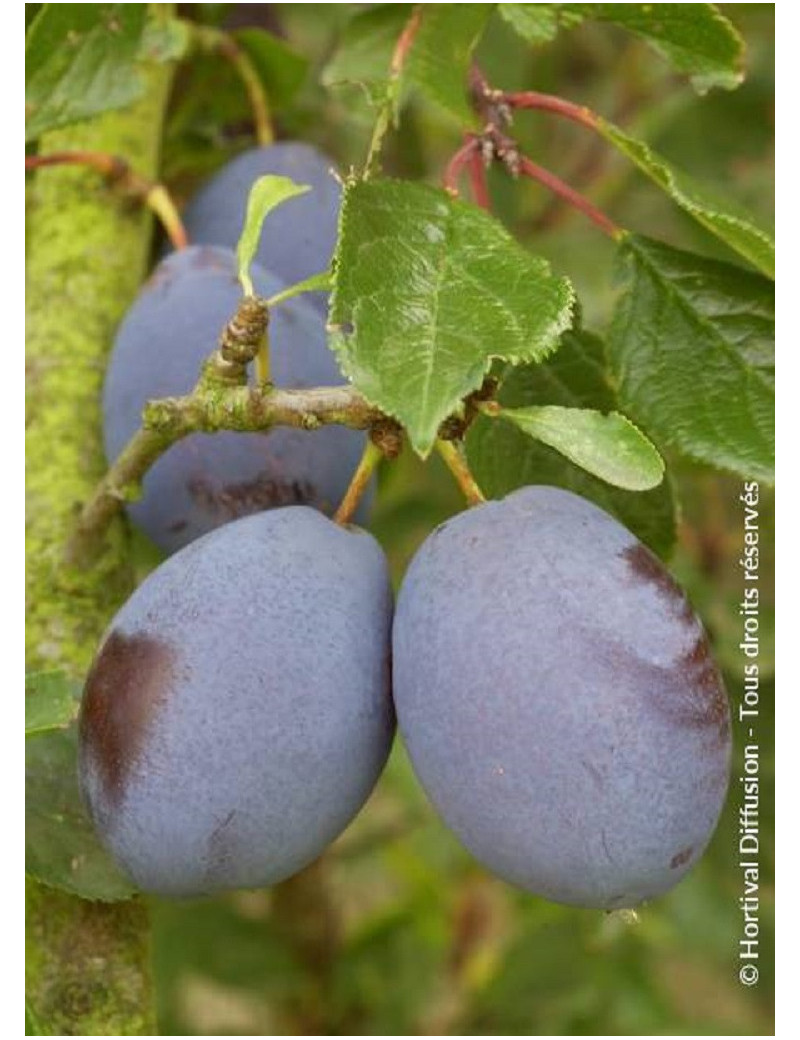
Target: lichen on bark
87 964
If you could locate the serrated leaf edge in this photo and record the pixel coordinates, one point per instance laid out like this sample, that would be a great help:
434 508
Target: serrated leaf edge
765 476
611 133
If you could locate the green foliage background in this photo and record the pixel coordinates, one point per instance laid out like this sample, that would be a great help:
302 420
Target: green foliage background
406 933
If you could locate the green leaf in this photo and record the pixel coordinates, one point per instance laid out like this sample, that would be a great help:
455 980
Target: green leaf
608 446
31 10
439 59
165 39
267 193
437 63
365 49
691 345
51 701
735 228
315 283
282 70
80 59
535 23
61 849
694 38
504 458
427 290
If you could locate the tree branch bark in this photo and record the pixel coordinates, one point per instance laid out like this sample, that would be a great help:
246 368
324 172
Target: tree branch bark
87 963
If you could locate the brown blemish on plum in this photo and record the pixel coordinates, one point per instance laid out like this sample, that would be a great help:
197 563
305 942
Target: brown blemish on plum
647 566
681 857
129 681
253 496
709 702
691 691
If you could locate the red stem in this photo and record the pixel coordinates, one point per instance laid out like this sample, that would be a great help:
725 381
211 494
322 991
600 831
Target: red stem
550 103
107 165
120 175
478 182
528 168
461 159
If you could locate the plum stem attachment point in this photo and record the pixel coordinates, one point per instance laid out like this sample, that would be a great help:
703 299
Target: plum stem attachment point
120 177
217 41
370 458
454 460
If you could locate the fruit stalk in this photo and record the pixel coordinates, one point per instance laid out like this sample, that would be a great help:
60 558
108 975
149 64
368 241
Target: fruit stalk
87 969
358 485
457 464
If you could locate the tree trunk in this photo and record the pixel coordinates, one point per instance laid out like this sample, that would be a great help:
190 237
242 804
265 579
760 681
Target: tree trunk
87 963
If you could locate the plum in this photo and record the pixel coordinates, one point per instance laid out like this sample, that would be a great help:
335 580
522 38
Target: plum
238 712
209 479
559 700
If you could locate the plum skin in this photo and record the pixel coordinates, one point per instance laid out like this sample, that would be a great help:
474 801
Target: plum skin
559 701
238 712
206 480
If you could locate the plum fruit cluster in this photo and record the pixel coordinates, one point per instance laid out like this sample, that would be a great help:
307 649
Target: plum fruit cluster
204 481
553 686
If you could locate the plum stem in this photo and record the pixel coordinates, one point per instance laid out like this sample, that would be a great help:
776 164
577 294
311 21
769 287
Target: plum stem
217 41
457 464
370 458
120 176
